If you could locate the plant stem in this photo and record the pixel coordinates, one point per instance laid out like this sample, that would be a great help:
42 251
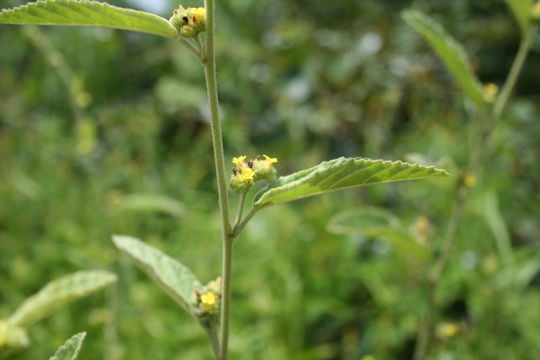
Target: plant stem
240 226
208 60
241 204
475 166
517 66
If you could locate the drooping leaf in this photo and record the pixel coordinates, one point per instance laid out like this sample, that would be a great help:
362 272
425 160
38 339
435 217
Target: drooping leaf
450 51
59 293
70 349
173 277
377 223
342 173
522 12
87 13
148 203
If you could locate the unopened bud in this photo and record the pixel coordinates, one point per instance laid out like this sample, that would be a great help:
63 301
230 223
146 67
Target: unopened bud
535 12
264 168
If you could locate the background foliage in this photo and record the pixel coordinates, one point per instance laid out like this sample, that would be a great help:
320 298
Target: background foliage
104 132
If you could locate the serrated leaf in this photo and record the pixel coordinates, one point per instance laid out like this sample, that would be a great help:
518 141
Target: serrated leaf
450 51
342 173
148 203
70 349
59 293
172 276
87 13
522 12
377 223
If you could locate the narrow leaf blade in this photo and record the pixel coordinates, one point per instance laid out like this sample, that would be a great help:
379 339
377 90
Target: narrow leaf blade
172 276
522 12
87 13
342 173
59 293
70 349
450 51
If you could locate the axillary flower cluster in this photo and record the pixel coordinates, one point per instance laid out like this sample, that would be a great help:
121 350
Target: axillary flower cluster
189 22
245 173
208 298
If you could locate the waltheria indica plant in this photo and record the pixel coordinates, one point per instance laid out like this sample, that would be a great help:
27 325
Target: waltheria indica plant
194 29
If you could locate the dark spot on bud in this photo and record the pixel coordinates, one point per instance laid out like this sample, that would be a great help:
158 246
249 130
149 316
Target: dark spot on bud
234 171
257 157
250 164
185 18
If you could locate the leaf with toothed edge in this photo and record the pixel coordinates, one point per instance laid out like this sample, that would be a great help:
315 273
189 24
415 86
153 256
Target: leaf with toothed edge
71 348
87 13
342 173
172 276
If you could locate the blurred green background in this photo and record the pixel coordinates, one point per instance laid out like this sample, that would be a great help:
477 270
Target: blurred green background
95 124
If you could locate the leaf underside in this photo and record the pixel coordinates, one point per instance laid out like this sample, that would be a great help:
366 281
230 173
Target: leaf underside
70 349
450 51
59 293
172 276
342 173
87 13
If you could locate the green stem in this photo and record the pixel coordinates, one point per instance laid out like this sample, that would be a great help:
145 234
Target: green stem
209 63
240 211
240 226
475 166
192 49
517 66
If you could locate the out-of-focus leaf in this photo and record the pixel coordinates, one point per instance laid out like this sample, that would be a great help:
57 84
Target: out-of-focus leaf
342 173
70 349
491 213
59 293
172 276
450 51
148 203
87 13
522 12
373 222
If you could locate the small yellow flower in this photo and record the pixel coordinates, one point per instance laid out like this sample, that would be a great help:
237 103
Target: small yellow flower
209 299
469 180
246 174
239 161
490 91
536 11
270 160
447 330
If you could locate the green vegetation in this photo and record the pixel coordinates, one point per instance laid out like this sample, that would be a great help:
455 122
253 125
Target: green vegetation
106 132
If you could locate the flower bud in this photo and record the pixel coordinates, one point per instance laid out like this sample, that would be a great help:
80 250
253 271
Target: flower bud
208 299
243 176
490 92
264 168
189 22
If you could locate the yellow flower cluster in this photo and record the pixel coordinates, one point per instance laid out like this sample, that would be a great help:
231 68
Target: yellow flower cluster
245 173
490 91
189 22
208 298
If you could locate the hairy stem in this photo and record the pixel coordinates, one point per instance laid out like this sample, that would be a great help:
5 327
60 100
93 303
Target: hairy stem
474 167
209 63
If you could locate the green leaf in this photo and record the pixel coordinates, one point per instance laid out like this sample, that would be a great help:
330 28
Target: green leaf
59 293
173 277
522 12
148 203
450 51
87 13
377 223
342 173
70 349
